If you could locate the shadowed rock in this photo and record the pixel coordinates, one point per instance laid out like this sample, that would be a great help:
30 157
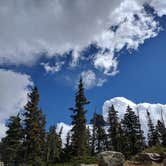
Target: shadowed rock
111 158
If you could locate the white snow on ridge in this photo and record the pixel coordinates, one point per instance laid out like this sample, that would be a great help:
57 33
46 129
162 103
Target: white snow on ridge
121 103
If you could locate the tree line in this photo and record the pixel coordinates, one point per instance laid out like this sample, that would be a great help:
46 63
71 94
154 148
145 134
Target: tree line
28 143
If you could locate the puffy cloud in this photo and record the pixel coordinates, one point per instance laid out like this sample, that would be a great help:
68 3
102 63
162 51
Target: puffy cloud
130 25
121 103
159 6
52 68
106 62
90 79
30 28
13 94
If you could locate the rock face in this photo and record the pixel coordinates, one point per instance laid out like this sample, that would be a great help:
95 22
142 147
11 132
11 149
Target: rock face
147 159
164 162
111 158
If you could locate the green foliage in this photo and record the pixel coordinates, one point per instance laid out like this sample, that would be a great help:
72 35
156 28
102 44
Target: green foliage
99 137
34 141
54 146
115 132
28 144
11 144
155 149
152 132
67 153
161 130
79 142
132 133
85 160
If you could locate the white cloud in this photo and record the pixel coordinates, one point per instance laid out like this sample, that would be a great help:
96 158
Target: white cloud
106 62
52 68
133 25
29 28
101 82
13 94
121 103
159 6
90 79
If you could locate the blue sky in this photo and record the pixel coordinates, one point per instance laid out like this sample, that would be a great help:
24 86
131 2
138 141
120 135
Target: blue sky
128 60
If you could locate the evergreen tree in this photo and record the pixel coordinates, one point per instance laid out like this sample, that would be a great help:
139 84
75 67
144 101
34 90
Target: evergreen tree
34 130
12 142
94 134
99 137
141 138
54 146
161 130
67 150
79 134
113 130
131 127
120 139
89 140
152 133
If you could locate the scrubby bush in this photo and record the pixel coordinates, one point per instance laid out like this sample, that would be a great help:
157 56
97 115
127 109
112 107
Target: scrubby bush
155 149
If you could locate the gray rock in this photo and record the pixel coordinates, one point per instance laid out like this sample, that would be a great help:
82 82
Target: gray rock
111 158
164 162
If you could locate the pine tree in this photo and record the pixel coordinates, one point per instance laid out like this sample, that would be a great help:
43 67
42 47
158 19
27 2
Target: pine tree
54 146
67 150
88 132
131 127
99 137
141 137
152 133
34 130
161 130
79 134
12 143
113 130
94 134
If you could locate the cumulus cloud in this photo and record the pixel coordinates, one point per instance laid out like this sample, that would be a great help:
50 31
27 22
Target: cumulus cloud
130 26
121 103
107 63
90 79
13 94
52 68
30 28
159 6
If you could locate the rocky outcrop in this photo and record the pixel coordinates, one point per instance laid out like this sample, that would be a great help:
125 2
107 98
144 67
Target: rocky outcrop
146 159
111 158
164 162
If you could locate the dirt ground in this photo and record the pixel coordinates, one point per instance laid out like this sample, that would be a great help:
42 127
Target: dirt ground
132 164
